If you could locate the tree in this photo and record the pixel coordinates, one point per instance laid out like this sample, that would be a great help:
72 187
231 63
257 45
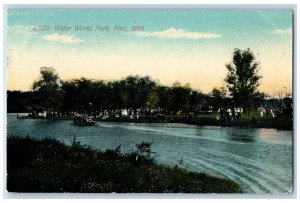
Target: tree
70 96
48 89
164 97
220 95
259 99
153 100
180 97
194 101
242 77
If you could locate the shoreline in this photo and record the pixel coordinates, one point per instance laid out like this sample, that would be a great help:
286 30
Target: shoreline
274 123
200 123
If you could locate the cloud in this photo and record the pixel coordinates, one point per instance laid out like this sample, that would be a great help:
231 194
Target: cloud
65 39
287 31
173 33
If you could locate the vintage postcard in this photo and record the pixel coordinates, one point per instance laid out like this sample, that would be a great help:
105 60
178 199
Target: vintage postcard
150 101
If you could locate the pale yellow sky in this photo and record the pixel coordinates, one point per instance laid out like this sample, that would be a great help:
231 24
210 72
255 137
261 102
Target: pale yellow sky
202 72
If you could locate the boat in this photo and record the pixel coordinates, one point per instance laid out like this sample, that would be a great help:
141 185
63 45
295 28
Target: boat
84 120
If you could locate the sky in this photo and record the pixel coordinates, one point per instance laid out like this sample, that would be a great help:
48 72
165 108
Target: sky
189 46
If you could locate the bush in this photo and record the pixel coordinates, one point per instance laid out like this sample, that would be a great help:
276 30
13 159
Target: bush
50 166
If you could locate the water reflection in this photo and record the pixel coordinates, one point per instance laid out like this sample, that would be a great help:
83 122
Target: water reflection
241 137
265 133
273 136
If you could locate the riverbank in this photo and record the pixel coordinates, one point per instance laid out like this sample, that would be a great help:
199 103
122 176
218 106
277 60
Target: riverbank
208 120
51 166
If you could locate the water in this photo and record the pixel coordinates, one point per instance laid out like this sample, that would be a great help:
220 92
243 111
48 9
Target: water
260 160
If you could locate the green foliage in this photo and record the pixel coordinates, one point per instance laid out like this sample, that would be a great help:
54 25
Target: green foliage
88 95
50 166
245 121
131 92
48 89
242 77
18 101
144 148
75 143
220 97
153 100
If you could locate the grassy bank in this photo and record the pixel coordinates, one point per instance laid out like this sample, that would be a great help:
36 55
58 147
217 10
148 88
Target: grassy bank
210 120
254 120
50 166
249 122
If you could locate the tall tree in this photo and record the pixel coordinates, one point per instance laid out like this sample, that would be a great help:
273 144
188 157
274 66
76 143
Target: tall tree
48 89
242 77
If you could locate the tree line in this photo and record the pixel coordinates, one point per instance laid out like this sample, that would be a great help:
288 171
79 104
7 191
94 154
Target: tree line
50 93
133 92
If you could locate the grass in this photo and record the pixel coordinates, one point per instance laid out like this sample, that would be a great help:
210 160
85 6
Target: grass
254 120
50 166
249 122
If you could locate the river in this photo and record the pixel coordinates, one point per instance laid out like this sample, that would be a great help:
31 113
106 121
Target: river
260 160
